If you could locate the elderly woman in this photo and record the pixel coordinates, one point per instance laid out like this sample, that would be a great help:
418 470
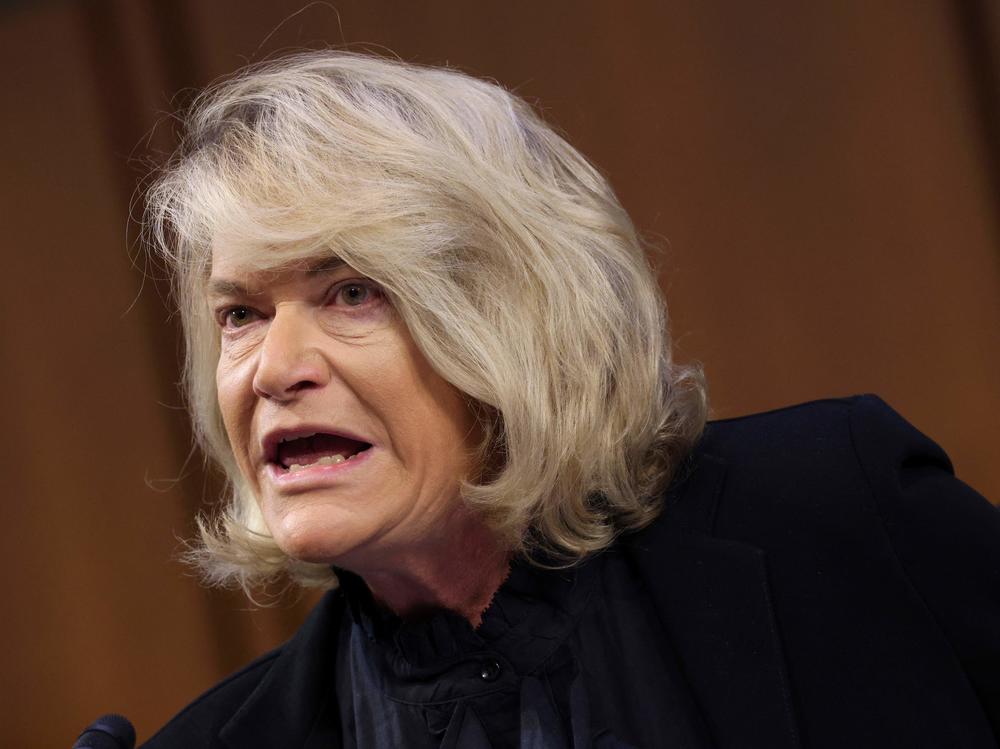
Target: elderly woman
425 346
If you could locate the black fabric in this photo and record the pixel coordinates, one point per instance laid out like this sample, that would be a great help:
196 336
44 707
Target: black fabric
554 664
818 578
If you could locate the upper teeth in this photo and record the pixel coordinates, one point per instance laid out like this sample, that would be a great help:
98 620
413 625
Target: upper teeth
292 438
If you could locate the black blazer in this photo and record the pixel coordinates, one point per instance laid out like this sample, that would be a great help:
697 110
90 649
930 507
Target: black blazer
824 579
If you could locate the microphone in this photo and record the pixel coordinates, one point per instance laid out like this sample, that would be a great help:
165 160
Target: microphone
107 732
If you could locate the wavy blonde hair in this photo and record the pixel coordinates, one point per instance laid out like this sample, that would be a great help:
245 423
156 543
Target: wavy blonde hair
506 253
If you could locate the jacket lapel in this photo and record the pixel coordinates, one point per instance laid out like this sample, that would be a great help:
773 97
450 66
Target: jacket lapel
712 596
290 708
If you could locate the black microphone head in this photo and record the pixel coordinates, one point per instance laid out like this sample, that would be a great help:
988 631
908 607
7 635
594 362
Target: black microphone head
107 732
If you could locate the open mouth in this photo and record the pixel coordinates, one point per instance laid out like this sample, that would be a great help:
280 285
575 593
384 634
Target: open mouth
318 449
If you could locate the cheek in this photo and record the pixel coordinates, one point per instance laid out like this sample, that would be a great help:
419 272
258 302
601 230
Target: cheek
234 403
444 433
437 427
225 393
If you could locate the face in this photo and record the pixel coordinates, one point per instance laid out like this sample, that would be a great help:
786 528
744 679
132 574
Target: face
353 445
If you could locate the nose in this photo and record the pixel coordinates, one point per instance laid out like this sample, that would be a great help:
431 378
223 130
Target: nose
289 362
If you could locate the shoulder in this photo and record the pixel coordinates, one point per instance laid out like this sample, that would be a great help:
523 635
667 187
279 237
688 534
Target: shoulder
198 724
831 467
810 436
848 487
819 457
857 513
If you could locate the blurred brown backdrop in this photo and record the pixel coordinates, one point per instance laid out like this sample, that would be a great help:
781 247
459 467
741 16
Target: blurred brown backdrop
822 178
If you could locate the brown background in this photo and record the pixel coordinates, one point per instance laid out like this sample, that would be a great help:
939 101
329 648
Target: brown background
822 177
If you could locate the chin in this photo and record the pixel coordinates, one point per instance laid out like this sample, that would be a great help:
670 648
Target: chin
303 536
311 548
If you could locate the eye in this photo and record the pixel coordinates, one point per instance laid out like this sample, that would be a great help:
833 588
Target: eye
236 317
354 294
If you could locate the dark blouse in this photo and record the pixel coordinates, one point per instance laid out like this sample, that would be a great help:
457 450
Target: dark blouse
563 658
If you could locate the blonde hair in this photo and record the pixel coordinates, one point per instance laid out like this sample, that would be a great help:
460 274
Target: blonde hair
517 272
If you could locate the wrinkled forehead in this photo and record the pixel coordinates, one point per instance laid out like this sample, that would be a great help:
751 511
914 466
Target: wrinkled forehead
242 262
236 279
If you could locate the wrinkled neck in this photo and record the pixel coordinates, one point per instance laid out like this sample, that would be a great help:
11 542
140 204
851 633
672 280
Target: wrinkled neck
460 571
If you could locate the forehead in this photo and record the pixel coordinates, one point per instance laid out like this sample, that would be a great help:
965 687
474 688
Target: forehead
237 267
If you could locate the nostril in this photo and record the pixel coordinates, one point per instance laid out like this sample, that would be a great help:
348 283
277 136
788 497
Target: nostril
304 385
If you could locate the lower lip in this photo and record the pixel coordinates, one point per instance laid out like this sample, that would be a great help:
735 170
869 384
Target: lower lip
316 474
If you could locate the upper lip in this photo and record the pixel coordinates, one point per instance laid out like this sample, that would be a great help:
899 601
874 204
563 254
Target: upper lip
271 440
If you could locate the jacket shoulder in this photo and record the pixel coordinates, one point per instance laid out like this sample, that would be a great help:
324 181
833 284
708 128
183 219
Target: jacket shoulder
198 725
802 434
848 490
818 454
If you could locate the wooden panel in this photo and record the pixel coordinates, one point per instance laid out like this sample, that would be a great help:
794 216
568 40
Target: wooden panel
96 606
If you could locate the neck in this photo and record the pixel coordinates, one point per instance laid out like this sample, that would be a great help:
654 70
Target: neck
461 572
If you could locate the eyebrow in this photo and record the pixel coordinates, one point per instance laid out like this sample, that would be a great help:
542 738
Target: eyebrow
227 287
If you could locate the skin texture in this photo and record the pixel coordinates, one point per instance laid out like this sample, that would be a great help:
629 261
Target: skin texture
319 348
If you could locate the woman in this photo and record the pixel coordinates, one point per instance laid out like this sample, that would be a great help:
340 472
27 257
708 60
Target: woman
426 347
